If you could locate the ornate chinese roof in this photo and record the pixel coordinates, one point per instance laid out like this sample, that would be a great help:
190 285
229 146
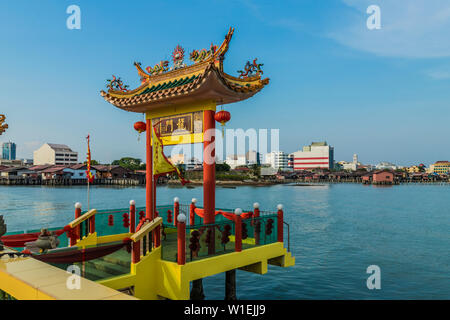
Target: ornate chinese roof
204 80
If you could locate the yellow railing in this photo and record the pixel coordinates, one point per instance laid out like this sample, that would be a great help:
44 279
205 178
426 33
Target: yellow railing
82 218
146 228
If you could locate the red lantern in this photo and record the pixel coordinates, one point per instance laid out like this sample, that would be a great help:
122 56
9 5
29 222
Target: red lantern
222 117
140 126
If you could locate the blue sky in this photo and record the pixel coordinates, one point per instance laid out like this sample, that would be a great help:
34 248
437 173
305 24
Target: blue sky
383 94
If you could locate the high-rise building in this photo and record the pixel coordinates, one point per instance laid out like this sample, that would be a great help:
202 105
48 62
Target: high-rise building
58 154
316 155
277 160
9 151
253 157
236 160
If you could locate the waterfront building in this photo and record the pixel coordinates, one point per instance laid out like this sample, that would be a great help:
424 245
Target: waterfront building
350 166
236 160
316 155
9 151
57 154
16 172
193 163
253 157
111 171
12 163
441 167
278 160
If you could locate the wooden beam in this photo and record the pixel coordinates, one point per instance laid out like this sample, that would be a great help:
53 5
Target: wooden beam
82 218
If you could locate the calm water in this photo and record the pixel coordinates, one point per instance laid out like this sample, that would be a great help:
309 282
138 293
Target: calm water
337 231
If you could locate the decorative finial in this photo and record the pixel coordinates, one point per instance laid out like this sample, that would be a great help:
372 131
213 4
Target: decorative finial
251 69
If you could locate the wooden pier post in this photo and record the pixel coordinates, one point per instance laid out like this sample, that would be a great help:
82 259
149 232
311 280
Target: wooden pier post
230 285
197 290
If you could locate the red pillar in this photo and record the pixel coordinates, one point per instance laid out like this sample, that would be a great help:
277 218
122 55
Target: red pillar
209 168
136 254
92 224
238 230
280 223
181 239
256 222
74 239
149 173
209 173
192 212
132 216
176 210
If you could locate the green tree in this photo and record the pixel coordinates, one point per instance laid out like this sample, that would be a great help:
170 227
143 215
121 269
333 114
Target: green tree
93 162
129 163
222 167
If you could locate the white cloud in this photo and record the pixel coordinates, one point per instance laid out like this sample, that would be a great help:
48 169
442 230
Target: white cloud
409 28
443 73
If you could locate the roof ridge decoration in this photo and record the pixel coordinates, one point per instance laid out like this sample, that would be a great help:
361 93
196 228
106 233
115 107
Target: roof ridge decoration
214 54
203 80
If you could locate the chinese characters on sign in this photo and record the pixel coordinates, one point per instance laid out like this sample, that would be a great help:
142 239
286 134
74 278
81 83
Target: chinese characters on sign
181 124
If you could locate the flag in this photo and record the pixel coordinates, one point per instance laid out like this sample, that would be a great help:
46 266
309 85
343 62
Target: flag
161 164
89 175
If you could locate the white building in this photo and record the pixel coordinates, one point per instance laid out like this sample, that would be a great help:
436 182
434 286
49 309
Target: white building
316 155
235 160
386 165
351 166
253 157
277 160
193 163
57 154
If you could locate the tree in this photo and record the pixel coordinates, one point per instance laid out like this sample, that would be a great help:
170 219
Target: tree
93 162
222 167
129 163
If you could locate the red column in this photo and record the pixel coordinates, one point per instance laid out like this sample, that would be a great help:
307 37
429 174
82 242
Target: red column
136 254
192 212
181 239
209 173
176 210
149 173
256 222
132 216
237 230
209 168
280 223
74 239
92 224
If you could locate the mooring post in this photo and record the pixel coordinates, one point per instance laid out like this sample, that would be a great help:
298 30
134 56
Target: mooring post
238 230
132 216
280 223
181 239
230 285
256 222
176 210
197 290
192 212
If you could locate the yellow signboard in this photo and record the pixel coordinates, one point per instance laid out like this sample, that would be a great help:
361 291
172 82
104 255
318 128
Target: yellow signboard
180 128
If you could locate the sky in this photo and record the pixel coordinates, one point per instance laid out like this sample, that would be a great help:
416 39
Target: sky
383 94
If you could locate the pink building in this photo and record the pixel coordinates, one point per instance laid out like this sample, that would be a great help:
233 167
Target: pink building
383 177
